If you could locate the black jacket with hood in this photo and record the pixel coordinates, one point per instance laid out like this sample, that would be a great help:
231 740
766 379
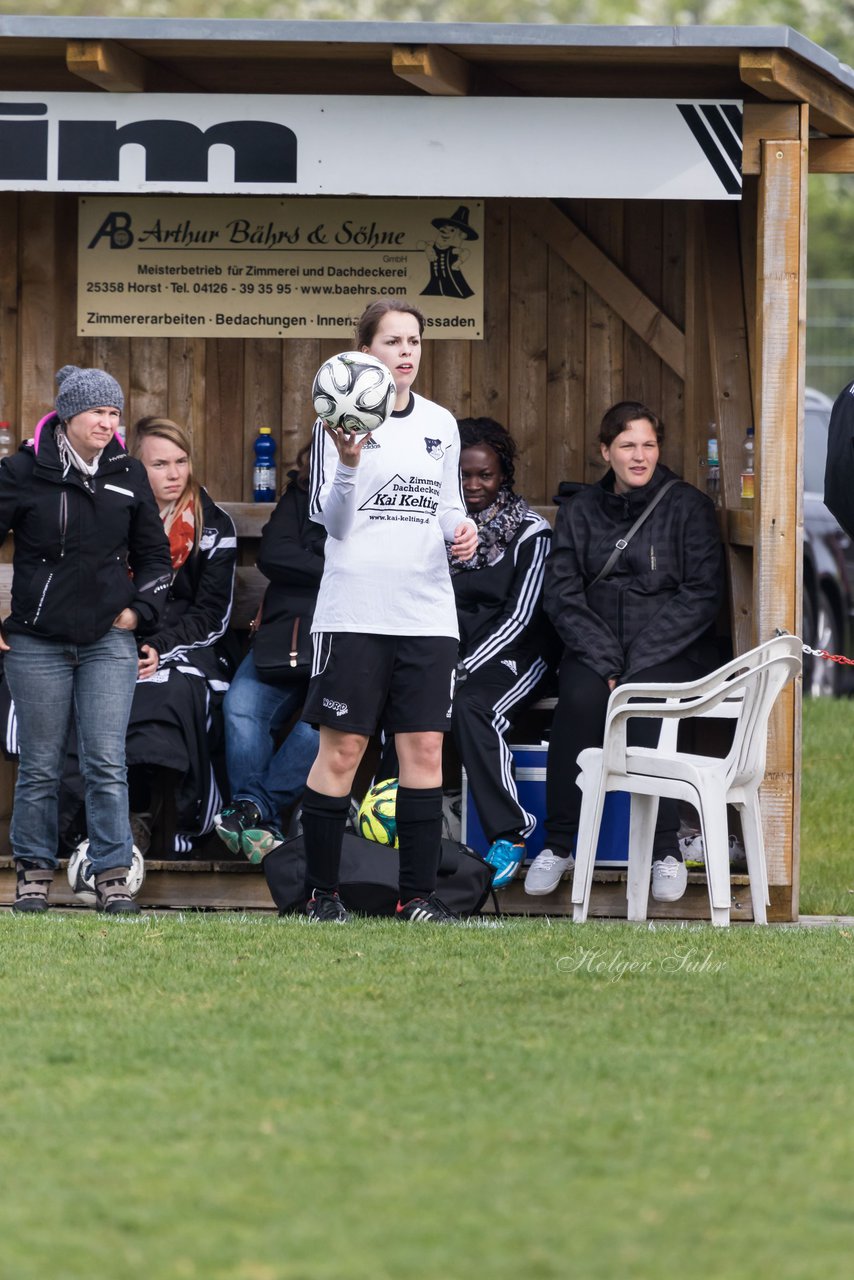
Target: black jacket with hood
662 597
291 557
85 548
194 625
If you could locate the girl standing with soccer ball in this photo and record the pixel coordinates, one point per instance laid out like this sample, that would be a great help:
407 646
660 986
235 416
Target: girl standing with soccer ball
385 628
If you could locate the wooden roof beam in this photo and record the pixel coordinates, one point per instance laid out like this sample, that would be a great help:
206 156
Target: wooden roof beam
831 155
113 67
783 78
432 69
108 65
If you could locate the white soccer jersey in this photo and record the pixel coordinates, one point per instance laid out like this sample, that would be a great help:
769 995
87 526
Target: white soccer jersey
387 521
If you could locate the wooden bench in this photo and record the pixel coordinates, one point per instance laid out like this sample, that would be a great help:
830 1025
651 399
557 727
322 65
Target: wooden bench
214 883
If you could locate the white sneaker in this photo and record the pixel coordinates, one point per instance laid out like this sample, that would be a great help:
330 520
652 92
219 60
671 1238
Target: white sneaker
546 871
669 879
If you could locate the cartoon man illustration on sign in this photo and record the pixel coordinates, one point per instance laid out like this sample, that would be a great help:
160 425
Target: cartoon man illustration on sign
446 255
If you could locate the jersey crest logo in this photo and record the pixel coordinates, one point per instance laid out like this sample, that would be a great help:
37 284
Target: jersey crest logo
434 448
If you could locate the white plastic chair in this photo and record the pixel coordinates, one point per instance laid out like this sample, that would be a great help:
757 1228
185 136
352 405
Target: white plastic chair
744 689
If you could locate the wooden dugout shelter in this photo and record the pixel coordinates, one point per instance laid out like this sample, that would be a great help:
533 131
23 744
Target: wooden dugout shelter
688 297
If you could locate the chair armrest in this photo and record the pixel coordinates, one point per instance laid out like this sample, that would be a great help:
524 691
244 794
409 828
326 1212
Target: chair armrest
672 708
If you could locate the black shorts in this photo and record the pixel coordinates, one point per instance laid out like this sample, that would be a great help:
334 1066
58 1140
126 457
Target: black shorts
402 684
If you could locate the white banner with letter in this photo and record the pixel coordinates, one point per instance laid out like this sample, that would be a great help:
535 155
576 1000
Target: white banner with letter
456 148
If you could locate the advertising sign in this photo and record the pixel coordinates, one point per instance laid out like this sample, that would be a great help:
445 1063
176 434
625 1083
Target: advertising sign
266 268
455 148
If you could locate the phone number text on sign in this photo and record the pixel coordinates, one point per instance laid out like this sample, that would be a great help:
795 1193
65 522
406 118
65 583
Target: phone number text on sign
220 266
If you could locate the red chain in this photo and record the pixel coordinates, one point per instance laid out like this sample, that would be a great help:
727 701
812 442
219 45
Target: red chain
831 657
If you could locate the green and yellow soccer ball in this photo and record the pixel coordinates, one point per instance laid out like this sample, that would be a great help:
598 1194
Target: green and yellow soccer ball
377 813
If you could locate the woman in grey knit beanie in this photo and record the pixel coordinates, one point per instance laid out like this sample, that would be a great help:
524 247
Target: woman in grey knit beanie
91 573
82 389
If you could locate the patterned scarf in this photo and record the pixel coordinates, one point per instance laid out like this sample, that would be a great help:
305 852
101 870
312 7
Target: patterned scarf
179 521
496 527
69 457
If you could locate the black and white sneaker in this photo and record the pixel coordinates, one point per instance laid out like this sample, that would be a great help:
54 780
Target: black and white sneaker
425 911
326 908
237 817
242 830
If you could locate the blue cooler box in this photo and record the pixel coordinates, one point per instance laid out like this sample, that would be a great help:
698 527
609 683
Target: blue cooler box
530 761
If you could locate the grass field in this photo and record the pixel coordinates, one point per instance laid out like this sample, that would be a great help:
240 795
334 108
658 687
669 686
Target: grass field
827 817
254 1099
235 1098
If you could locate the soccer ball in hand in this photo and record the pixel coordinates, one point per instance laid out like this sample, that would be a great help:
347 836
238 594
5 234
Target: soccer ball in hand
377 813
82 878
353 391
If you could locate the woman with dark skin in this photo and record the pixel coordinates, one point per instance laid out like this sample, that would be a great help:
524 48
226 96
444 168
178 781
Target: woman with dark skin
505 639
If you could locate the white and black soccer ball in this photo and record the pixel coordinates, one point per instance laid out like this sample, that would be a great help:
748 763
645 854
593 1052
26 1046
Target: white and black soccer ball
82 880
354 391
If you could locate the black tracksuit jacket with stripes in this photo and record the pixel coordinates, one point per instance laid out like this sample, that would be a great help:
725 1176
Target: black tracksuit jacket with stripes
500 608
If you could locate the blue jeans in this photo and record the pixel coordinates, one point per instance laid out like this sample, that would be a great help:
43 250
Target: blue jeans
272 779
51 680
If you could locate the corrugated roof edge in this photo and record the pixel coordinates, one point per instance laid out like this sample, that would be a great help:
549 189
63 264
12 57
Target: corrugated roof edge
447 34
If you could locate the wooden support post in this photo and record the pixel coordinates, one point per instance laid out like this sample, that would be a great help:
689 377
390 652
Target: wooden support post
766 120
778 515
731 394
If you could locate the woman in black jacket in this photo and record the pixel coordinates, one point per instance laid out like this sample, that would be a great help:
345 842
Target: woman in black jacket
91 569
266 778
651 618
185 668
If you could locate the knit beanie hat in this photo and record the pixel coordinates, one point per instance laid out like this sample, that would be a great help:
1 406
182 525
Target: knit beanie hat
82 389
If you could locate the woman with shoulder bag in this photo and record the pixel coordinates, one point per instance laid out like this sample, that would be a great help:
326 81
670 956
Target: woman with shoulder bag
643 611
271 682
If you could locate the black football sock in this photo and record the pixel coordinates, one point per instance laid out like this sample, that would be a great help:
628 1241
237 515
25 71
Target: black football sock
419 834
323 821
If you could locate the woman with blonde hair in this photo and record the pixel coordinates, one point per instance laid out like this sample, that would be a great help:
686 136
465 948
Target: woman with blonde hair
186 666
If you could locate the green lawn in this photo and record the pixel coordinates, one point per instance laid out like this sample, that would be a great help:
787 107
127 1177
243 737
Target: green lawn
253 1099
235 1098
827 801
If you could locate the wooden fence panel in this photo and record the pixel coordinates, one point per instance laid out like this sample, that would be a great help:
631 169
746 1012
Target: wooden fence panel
490 363
528 353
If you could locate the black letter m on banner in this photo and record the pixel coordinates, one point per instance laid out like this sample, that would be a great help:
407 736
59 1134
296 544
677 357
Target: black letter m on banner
176 151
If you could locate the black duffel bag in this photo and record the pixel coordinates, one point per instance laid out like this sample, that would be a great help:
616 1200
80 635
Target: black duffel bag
369 875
